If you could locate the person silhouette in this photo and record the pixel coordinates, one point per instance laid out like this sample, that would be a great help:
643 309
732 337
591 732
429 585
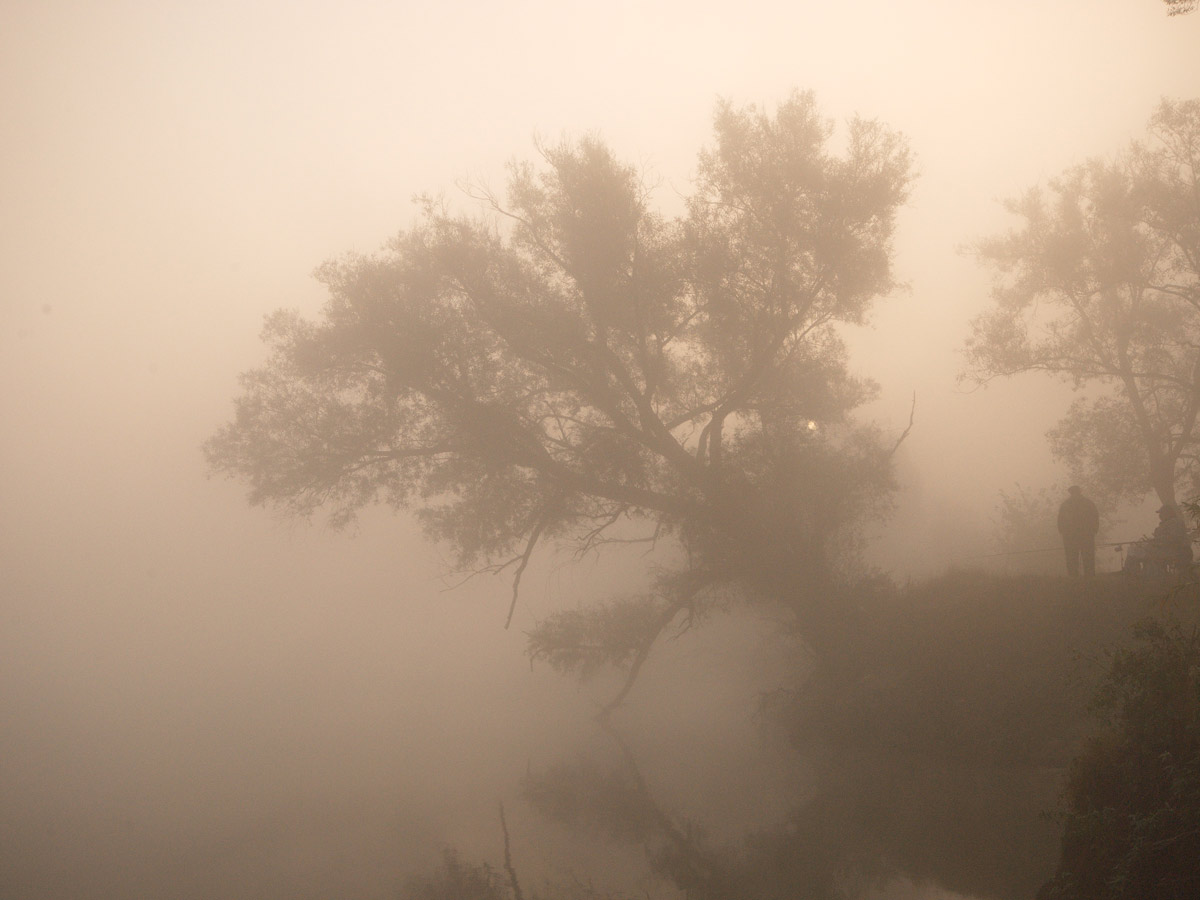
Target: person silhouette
1078 522
1167 551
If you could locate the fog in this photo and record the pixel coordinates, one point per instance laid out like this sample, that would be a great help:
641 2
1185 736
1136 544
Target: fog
201 699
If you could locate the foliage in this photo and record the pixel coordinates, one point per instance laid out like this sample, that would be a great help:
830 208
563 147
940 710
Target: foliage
947 732
941 732
457 880
580 641
1100 285
1179 7
574 366
1132 805
579 365
938 737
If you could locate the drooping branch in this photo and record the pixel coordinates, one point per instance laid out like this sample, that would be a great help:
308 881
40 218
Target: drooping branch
516 585
683 600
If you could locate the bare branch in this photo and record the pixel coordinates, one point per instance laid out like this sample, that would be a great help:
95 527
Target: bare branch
508 865
912 412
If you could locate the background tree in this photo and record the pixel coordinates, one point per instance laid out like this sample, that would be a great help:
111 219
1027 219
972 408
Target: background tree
1100 285
573 365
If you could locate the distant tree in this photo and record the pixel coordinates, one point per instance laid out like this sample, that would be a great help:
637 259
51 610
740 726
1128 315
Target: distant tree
1132 804
1100 285
574 366
1179 7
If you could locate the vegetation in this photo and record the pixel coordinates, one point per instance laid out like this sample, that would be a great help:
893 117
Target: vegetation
594 371
938 742
943 738
457 880
1101 286
1132 803
574 367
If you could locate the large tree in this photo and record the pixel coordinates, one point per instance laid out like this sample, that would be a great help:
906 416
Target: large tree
1100 285
570 365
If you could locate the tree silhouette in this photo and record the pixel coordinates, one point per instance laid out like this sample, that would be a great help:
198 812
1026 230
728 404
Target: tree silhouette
572 366
1100 285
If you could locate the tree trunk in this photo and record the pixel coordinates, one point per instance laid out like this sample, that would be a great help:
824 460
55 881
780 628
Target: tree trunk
1162 473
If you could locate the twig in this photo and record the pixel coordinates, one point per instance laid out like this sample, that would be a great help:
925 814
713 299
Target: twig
912 412
508 866
493 569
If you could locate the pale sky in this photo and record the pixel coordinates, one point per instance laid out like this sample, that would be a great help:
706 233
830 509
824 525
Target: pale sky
170 172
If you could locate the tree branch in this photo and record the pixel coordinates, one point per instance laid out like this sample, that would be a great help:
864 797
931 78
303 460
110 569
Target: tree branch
912 412
508 865
668 614
516 586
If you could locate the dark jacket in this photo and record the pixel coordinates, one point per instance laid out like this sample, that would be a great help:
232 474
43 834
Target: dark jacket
1171 539
1078 517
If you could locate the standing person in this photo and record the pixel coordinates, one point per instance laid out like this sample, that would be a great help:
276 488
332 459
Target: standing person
1078 522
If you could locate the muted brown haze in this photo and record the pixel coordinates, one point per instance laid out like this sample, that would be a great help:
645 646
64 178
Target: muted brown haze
200 700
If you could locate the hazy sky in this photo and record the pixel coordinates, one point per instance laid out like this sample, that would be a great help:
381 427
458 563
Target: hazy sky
170 172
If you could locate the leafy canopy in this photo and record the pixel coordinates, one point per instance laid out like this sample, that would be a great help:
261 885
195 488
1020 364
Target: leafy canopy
1100 285
570 361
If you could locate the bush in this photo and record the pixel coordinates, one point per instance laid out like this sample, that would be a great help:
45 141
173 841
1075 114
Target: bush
1132 803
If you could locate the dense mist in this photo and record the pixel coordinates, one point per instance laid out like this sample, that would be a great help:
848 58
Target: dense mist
205 697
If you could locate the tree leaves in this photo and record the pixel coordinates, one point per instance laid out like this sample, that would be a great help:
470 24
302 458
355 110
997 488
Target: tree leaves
578 351
1132 804
1100 285
581 641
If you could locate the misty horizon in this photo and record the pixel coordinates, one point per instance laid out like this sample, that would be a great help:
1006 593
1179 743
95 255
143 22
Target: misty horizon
207 698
